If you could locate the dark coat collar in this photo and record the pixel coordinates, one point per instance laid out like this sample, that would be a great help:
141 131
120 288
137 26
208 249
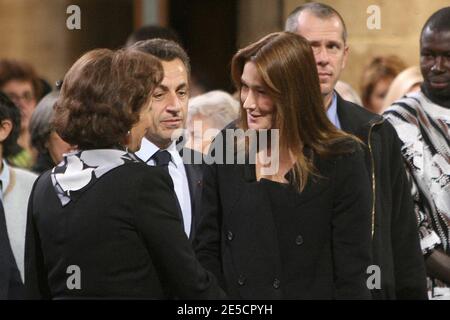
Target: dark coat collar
9 273
354 118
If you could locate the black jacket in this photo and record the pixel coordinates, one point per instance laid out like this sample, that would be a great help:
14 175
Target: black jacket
192 160
396 247
237 236
11 286
194 174
123 233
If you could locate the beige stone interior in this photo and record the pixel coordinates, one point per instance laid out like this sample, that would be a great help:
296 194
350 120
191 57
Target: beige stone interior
401 22
35 30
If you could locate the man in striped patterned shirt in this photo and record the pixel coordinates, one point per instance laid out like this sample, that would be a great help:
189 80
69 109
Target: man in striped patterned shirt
422 122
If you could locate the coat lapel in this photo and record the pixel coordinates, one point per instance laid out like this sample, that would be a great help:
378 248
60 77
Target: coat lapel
251 207
9 273
347 124
195 180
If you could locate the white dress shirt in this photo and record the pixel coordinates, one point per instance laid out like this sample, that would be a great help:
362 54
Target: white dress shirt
177 173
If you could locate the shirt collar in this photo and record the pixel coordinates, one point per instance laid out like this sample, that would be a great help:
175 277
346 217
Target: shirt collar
4 177
148 149
332 112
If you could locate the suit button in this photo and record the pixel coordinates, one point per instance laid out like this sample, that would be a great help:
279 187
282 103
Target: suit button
276 283
299 240
230 235
241 280
199 183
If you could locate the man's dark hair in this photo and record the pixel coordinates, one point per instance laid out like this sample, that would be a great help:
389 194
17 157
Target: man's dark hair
152 32
320 10
9 111
439 21
163 49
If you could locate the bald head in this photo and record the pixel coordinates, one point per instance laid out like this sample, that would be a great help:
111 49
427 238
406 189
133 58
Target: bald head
325 31
318 10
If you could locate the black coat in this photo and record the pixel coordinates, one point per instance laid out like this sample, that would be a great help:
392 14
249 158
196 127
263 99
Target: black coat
123 233
194 176
11 286
396 247
237 238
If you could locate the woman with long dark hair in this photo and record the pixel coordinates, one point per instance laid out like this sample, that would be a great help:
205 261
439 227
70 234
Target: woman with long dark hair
302 229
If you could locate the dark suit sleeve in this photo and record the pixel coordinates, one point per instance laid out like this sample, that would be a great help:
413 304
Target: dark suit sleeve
36 283
6 257
409 268
208 235
168 245
351 227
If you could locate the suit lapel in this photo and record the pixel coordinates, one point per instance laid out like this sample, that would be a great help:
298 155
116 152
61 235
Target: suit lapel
7 261
194 177
344 117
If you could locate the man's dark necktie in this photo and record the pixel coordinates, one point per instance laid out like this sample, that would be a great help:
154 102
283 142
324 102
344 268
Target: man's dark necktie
162 159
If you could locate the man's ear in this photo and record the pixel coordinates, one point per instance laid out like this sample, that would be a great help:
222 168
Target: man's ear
5 129
344 60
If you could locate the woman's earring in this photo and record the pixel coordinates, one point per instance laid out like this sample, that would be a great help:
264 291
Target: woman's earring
128 140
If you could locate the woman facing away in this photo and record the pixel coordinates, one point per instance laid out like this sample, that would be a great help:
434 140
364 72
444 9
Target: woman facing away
303 229
103 224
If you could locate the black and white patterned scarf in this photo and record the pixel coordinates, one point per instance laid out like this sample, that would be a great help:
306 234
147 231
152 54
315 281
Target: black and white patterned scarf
79 170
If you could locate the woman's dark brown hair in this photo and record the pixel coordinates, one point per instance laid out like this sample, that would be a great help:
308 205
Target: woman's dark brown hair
286 64
102 95
11 69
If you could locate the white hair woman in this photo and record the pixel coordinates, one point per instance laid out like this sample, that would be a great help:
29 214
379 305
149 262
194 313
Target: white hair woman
208 114
44 138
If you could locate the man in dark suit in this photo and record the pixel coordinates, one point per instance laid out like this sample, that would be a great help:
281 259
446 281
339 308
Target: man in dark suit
395 242
163 145
11 286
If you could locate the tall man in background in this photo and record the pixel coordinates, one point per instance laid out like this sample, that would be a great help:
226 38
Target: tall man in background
396 248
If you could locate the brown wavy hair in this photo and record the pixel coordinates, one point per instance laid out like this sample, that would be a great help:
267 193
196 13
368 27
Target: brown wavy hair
287 67
102 95
11 69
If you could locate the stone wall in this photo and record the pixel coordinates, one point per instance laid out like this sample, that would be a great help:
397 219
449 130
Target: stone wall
401 23
36 31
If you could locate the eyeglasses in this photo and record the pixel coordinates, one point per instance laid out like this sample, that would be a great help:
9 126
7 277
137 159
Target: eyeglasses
27 97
